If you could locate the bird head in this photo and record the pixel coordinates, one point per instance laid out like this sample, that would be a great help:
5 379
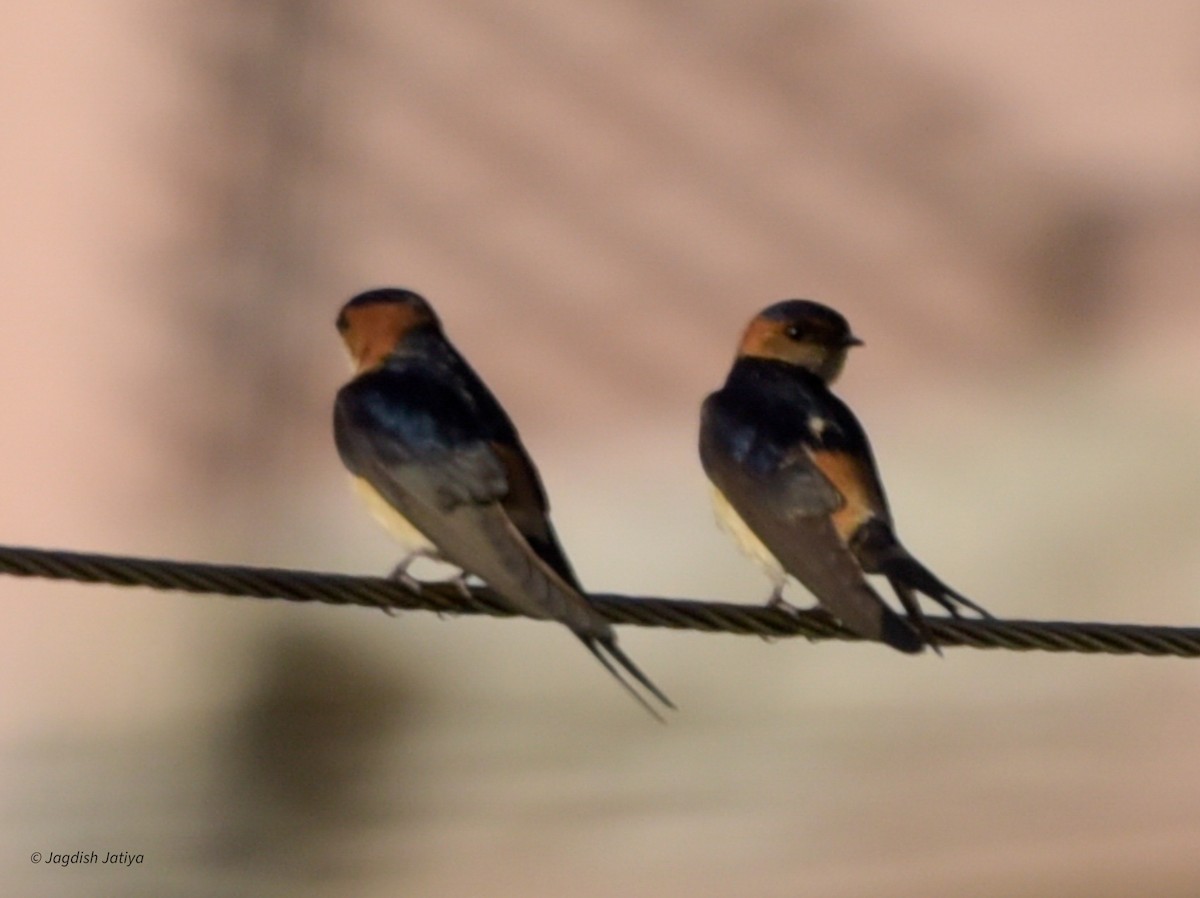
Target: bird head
375 323
803 333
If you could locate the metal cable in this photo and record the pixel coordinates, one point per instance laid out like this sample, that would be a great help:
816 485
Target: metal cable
677 614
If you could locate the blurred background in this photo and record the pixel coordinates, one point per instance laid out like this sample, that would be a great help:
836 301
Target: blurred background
1003 199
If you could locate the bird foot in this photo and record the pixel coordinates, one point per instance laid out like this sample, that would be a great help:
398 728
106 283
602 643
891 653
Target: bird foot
462 585
777 602
401 575
951 600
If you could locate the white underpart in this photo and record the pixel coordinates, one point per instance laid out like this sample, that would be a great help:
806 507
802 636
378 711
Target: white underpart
412 539
731 522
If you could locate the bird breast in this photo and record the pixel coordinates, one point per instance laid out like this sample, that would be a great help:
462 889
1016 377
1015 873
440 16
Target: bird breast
412 539
746 540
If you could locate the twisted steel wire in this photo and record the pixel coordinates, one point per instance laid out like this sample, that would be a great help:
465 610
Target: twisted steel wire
677 614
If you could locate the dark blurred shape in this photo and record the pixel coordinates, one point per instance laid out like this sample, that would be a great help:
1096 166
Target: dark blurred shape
1069 267
250 247
301 759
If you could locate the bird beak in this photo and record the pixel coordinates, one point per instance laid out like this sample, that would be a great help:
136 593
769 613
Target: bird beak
853 341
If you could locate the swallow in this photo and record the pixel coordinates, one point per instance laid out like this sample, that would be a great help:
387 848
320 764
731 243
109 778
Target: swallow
440 464
795 481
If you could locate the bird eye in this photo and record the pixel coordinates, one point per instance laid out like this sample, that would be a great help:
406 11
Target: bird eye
793 332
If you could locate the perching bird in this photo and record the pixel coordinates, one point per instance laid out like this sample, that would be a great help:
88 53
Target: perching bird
796 483
441 466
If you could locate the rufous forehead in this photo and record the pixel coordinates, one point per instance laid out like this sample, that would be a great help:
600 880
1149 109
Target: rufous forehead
372 331
393 319
761 334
